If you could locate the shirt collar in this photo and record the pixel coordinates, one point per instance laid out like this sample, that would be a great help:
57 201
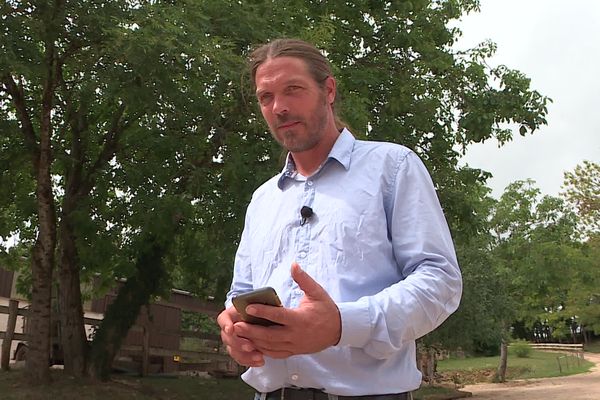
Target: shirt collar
341 152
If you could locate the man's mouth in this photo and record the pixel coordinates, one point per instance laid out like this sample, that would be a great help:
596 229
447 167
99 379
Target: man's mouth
287 124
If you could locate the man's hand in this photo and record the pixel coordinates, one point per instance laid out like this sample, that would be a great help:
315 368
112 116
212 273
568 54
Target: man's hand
240 349
314 326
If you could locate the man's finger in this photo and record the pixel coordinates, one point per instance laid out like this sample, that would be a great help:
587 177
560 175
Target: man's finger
275 314
310 287
277 354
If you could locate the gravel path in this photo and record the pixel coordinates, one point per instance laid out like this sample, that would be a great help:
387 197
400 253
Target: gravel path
575 387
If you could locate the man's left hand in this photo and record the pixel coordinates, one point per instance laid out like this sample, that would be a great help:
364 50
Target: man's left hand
314 326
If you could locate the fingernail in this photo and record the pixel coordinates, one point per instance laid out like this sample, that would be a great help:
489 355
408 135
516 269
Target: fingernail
250 310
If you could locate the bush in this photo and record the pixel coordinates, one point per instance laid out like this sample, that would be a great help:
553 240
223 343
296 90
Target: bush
521 349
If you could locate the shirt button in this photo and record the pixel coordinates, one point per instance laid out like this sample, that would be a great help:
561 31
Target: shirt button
309 183
302 254
294 377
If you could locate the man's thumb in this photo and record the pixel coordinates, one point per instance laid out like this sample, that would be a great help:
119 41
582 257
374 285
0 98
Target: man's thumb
309 286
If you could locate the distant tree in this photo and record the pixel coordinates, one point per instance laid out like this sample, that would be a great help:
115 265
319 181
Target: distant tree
536 244
536 238
485 310
584 290
582 190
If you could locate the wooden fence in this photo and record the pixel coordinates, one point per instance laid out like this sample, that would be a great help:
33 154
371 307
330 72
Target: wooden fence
9 335
571 347
211 357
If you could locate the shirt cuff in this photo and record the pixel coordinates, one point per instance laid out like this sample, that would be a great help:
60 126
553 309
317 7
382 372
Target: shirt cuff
356 323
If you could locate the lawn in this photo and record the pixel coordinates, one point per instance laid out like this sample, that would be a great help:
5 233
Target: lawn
14 386
539 364
593 347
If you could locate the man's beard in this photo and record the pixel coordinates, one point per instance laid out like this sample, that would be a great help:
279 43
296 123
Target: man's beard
314 131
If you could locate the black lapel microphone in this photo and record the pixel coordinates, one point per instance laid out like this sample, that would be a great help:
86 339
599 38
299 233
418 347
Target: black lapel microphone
306 212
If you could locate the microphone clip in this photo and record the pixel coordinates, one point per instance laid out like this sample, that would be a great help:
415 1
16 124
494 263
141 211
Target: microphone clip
305 212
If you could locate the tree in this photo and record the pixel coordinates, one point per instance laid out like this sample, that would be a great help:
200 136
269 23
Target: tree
533 237
582 190
121 107
484 310
583 296
126 117
536 245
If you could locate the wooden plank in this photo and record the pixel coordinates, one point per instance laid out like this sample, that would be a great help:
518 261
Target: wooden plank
201 335
153 351
16 336
6 282
146 352
194 305
13 307
92 321
569 347
21 311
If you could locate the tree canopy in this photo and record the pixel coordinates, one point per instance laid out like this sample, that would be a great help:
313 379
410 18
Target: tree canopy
129 131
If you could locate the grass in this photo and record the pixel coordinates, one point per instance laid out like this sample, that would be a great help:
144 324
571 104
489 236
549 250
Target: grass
14 386
593 347
538 365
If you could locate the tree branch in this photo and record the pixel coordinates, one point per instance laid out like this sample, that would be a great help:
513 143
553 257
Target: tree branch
18 98
111 142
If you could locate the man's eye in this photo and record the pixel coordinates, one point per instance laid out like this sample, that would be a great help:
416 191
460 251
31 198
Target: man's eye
265 98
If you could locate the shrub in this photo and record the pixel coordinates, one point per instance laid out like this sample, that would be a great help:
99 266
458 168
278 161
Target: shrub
521 348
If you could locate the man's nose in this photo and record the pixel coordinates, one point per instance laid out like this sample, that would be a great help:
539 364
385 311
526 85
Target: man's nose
280 105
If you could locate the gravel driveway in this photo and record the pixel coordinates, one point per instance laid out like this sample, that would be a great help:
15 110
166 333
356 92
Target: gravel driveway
575 387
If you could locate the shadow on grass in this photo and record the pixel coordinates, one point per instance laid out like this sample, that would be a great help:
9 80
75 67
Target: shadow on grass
15 386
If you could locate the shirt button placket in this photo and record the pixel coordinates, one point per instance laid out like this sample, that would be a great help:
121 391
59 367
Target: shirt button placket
303 241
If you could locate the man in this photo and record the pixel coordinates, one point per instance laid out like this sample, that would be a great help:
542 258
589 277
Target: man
372 262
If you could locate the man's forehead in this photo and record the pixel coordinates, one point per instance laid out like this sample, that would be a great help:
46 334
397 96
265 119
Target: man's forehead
281 69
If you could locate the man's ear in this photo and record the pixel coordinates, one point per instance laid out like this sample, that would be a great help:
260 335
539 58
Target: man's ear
330 89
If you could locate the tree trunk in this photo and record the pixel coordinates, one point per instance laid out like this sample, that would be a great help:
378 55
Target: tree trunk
74 341
431 364
38 320
123 312
42 266
501 373
43 254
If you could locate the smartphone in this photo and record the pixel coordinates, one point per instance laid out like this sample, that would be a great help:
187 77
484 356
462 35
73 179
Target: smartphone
266 295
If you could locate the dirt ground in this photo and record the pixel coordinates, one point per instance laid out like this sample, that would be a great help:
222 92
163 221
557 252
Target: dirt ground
575 387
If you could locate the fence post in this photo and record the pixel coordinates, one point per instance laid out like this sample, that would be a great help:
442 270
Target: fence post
559 367
145 351
13 308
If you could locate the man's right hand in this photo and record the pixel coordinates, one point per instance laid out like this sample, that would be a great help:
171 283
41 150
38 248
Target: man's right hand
240 349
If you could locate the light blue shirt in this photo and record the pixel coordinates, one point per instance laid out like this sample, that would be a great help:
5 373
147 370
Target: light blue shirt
378 243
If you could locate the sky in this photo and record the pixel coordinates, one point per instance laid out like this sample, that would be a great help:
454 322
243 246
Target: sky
556 43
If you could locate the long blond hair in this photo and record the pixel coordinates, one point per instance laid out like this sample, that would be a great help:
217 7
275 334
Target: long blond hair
318 65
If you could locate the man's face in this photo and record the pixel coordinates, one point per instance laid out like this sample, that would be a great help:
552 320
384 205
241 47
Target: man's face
292 103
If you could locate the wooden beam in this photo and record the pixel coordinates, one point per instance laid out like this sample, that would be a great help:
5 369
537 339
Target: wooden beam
13 307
